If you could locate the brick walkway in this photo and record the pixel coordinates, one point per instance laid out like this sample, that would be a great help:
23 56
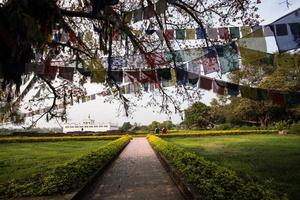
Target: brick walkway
135 174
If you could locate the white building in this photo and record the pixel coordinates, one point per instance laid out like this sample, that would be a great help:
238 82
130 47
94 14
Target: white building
89 126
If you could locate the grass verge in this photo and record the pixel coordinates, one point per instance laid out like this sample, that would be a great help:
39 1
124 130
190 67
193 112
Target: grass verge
266 157
66 177
211 180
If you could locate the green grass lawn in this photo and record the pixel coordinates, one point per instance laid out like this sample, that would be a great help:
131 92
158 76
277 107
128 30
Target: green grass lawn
19 160
274 157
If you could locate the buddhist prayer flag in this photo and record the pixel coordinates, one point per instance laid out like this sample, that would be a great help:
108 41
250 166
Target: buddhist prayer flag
205 83
182 74
138 15
232 89
219 87
180 34
224 33
234 32
156 58
210 61
201 33
212 33
228 58
149 11
190 34
287 37
169 34
161 6
245 30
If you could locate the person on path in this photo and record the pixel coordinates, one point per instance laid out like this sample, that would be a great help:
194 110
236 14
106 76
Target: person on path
156 130
164 131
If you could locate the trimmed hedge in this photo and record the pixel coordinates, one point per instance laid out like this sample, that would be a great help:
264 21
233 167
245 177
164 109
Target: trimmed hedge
56 139
211 180
67 177
216 133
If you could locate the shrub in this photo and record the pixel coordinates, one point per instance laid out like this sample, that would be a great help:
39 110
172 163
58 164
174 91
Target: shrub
295 128
211 181
216 133
64 178
56 139
281 125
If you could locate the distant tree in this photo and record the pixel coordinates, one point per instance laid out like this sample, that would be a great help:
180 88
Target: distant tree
167 124
198 116
126 126
153 125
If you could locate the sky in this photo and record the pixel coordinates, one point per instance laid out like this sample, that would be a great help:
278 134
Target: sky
269 10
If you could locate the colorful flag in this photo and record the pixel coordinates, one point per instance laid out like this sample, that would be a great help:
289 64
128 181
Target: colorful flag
205 83
212 33
149 11
232 89
219 87
201 33
161 6
234 32
190 34
156 58
228 58
137 15
224 33
169 34
285 39
182 74
180 34
210 61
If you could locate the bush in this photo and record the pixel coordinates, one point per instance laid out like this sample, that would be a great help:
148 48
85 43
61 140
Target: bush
281 125
211 181
225 126
216 133
56 139
64 178
295 128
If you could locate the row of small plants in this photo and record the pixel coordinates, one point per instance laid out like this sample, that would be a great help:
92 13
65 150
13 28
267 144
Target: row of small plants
211 180
56 139
192 133
65 178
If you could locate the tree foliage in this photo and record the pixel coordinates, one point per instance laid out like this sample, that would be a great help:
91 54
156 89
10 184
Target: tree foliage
27 26
197 116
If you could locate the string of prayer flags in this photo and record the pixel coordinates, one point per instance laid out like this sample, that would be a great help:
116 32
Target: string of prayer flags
210 61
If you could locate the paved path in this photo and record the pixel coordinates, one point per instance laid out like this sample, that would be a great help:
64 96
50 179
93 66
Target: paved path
135 174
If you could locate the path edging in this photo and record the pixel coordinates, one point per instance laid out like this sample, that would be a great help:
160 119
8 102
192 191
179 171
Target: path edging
187 191
83 190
